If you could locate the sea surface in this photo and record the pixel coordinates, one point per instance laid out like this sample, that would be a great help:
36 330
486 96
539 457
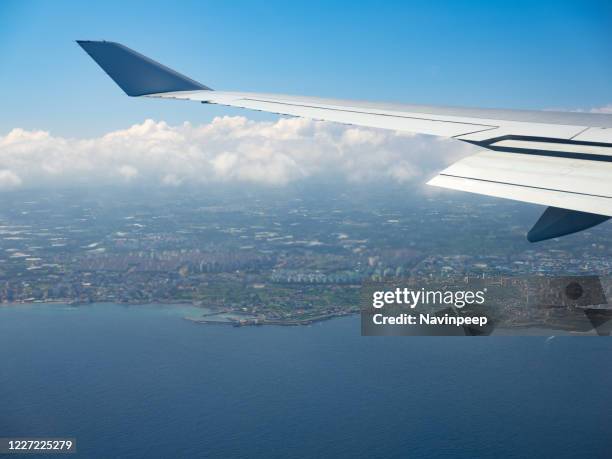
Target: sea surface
141 381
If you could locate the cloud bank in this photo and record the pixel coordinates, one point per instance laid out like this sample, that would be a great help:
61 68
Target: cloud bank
604 109
226 150
607 109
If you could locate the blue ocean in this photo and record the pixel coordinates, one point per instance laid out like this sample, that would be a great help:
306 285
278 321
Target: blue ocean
141 381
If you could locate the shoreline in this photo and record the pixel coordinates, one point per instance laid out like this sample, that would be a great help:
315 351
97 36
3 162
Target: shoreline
209 316
77 303
263 321
206 318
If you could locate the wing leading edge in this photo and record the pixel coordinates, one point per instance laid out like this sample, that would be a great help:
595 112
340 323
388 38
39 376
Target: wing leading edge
559 159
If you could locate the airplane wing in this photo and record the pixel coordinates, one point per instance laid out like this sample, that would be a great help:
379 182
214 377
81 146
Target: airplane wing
558 159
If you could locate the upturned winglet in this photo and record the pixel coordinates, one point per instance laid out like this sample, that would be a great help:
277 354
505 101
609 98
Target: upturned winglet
136 74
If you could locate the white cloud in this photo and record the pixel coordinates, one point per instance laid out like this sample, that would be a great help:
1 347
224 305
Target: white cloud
128 172
228 149
604 109
8 179
171 180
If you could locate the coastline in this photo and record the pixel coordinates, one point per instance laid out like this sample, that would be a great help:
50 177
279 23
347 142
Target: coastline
245 322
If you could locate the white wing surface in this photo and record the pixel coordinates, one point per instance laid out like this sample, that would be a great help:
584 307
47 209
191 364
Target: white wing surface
557 159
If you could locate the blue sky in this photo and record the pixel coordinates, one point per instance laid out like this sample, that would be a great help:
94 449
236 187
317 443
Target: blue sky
478 53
